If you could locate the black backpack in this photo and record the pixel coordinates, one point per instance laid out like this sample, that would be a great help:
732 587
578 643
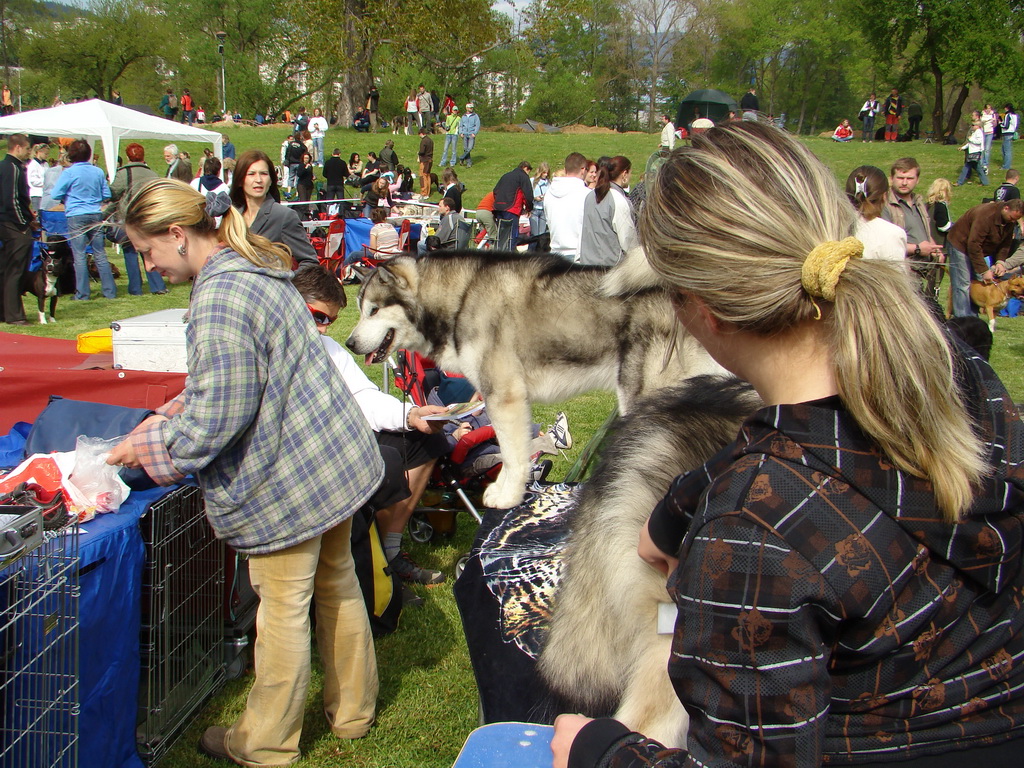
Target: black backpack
382 588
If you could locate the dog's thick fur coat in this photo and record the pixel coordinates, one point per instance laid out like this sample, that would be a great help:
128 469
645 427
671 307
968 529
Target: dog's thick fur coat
523 330
602 651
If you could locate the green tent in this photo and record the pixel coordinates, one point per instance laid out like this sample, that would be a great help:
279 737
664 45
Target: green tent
712 104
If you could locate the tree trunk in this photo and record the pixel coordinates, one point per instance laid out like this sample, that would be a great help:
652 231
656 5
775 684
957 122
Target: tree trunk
356 80
957 109
938 109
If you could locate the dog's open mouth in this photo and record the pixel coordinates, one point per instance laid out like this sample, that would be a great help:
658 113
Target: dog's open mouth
379 354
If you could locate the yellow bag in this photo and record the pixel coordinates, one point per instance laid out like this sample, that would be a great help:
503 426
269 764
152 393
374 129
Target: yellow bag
95 342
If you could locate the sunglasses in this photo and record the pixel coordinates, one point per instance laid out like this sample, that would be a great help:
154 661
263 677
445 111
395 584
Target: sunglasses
321 318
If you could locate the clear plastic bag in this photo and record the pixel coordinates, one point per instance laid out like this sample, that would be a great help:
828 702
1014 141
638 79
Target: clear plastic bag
98 482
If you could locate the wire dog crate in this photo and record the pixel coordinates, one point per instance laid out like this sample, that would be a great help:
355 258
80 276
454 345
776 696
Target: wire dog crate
39 687
182 633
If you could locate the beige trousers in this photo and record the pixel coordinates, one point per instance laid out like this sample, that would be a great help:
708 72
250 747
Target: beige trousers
268 731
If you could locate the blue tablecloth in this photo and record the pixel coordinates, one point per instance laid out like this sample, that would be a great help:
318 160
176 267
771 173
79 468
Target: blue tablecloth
112 554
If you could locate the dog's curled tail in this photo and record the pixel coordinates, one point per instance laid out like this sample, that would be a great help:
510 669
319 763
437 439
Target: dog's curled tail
604 616
631 275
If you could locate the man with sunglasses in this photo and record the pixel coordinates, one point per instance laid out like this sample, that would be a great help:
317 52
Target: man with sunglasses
396 424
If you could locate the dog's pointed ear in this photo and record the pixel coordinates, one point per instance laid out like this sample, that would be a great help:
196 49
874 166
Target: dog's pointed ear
363 272
399 273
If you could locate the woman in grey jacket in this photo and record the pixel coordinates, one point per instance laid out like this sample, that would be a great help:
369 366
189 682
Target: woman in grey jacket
608 228
254 192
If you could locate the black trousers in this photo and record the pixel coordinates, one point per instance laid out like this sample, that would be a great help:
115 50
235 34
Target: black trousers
915 128
17 247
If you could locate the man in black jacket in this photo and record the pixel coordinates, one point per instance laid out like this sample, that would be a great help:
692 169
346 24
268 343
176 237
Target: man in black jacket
16 223
335 173
750 105
513 196
293 159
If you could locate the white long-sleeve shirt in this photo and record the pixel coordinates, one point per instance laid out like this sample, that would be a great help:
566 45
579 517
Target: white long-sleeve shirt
668 135
384 412
35 172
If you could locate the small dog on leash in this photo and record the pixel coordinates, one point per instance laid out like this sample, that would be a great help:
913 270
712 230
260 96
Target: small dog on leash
42 283
991 297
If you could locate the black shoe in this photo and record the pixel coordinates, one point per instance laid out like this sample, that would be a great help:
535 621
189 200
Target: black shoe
407 570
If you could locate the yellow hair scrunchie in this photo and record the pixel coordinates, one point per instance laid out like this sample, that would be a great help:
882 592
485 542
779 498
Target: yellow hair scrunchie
825 263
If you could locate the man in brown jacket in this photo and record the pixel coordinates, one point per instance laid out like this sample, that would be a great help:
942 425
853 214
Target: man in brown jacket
426 158
984 230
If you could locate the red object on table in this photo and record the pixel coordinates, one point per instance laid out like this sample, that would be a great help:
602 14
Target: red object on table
32 368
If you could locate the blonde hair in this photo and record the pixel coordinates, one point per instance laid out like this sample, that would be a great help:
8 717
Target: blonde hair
745 199
160 204
940 189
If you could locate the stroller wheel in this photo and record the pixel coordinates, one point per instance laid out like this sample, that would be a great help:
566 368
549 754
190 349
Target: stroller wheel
460 565
420 529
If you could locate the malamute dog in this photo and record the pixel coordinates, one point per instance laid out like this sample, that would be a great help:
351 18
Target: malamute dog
603 652
523 329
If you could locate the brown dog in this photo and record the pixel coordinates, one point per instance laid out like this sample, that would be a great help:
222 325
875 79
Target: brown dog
991 297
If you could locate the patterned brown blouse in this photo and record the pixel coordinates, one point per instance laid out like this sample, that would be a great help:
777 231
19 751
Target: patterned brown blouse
827 614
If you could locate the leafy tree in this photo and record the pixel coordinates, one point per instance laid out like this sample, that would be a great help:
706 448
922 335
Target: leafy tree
957 44
96 52
586 63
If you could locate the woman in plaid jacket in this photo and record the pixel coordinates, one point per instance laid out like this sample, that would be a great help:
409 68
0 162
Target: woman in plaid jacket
263 416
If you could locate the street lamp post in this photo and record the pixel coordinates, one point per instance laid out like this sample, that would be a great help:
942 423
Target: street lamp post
223 77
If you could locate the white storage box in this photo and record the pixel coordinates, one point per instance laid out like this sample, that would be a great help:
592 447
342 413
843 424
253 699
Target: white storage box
153 342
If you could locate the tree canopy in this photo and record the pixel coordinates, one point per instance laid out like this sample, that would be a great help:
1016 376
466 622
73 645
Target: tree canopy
617 63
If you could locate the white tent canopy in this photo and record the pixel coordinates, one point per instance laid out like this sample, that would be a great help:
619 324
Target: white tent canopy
96 119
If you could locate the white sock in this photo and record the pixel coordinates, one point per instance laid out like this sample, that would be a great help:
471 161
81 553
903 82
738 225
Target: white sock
392 545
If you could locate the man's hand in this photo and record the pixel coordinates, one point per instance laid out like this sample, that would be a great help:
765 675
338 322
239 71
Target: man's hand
566 729
416 421
999 269
988 277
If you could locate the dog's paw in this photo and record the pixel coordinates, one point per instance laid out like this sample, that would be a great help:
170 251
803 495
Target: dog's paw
496 497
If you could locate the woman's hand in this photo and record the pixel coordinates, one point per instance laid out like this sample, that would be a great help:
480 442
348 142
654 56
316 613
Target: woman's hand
123 455
653 556
566 729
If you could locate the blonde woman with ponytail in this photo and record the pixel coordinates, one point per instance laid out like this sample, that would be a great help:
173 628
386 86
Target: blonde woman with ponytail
264 412
848 573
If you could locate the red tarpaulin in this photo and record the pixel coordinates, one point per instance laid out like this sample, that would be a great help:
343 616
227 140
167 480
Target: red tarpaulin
32 368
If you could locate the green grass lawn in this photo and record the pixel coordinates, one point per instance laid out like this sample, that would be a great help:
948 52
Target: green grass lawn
428 700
